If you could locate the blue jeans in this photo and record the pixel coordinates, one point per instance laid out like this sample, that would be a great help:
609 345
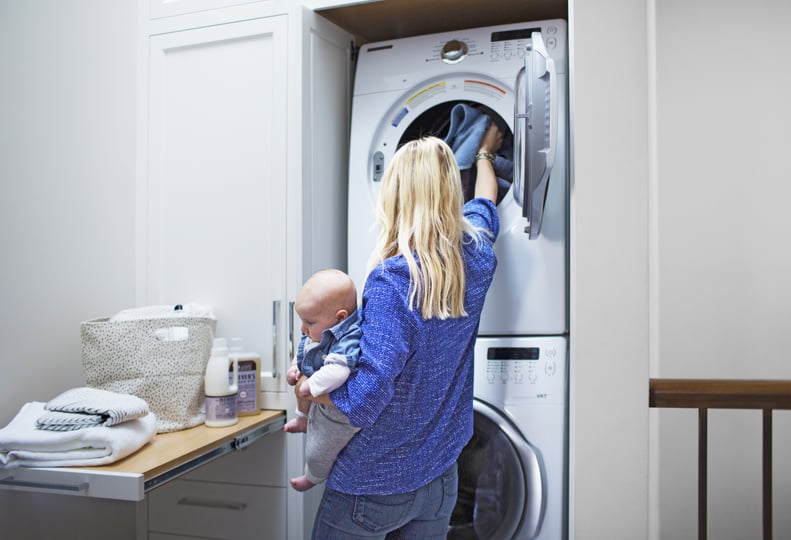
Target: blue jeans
422 514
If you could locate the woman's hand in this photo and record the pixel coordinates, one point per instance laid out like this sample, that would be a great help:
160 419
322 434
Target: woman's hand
492 139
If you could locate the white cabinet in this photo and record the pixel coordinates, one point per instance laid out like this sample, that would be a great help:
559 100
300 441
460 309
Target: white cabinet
241 195
212 199
239 497
242 158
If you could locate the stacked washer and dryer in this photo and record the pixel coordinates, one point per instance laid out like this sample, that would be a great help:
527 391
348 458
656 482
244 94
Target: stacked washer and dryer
513 475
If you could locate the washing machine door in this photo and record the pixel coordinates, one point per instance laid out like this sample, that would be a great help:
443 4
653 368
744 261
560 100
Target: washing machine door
501 488
535 132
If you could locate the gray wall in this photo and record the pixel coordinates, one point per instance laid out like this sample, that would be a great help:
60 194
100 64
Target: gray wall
67 168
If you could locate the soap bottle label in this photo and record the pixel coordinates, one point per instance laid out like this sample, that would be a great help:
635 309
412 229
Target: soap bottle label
247 400
221 408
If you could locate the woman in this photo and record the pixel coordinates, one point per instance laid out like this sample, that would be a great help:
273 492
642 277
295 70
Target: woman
412 392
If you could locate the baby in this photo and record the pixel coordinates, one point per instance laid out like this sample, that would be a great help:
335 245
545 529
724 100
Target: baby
327 353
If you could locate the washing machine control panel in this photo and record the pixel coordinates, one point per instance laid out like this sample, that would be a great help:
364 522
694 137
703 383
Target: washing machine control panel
520 368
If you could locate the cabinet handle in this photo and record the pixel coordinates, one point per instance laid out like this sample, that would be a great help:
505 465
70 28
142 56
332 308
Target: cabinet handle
275 318
10 481
209 503
290 331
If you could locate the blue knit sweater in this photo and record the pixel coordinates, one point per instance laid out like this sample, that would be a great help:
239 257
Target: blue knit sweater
412 392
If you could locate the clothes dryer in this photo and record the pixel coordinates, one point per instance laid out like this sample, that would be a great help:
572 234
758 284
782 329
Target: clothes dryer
516 75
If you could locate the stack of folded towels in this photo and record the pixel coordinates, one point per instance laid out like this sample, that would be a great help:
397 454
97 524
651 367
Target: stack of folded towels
80 427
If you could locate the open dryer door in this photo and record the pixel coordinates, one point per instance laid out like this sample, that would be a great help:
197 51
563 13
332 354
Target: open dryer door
535 132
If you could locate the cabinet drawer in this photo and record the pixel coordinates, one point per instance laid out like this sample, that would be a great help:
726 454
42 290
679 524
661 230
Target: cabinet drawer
263 463
221 511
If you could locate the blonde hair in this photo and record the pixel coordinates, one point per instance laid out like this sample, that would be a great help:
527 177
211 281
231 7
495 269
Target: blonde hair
420 216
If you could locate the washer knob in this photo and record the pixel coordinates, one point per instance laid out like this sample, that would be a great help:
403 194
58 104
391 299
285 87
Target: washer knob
454 51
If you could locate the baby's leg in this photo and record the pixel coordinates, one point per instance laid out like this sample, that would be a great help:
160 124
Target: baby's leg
328 432
300 423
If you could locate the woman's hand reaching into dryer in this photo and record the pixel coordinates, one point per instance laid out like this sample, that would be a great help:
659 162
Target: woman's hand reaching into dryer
492 139
486 180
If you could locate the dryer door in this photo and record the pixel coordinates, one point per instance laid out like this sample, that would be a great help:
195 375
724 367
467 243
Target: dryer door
535 132
501 493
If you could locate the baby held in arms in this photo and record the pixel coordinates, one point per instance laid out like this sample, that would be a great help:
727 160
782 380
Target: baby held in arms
326 355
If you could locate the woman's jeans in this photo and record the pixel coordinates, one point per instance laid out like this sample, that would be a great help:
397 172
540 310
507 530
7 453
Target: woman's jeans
422 514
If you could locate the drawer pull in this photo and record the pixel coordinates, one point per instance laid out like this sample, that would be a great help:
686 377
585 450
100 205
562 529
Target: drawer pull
10 481
209 503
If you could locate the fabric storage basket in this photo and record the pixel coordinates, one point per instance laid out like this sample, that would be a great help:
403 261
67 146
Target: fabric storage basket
158 353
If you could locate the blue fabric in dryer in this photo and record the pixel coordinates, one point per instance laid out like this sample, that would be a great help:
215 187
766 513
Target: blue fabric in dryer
467 127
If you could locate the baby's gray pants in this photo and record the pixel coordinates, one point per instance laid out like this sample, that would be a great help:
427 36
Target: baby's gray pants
328 432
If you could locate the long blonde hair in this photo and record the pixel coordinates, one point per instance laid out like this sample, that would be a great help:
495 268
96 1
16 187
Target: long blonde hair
420 216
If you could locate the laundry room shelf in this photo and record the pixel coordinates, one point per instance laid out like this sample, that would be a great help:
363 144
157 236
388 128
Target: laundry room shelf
167 456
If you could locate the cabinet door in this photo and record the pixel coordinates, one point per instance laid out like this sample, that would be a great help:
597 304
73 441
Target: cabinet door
211 191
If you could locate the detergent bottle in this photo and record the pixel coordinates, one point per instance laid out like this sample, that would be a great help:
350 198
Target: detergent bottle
221 390
247 401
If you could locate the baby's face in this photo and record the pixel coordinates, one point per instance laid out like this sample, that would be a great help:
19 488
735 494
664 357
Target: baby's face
315 320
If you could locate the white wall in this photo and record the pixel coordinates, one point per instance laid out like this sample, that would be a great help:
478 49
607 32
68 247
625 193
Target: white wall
609 261
67 170
721 187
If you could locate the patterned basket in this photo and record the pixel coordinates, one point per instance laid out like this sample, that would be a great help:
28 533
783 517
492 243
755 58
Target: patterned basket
160 359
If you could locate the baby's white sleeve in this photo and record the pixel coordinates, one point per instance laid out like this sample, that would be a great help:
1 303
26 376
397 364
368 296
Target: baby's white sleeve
332 375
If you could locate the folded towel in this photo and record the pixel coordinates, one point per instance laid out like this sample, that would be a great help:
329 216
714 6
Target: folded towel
66 421
22 445
79 408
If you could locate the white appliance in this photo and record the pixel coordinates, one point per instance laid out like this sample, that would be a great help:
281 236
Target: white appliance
512 474
517 75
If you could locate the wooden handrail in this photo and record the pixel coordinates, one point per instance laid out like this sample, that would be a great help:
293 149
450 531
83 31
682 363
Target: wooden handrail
705 394
719 394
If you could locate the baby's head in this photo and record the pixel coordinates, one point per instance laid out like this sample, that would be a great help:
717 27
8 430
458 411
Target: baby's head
326 298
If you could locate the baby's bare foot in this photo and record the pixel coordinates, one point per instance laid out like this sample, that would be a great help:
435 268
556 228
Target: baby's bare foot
296 425
301 483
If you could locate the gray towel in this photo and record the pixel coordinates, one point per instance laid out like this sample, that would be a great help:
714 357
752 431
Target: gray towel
85 407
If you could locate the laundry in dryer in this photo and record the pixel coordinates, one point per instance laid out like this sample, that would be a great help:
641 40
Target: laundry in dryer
468 125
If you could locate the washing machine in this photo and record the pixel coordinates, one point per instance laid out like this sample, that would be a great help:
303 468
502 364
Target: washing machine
513 473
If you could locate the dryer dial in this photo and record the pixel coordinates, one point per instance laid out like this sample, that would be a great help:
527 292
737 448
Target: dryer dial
454 51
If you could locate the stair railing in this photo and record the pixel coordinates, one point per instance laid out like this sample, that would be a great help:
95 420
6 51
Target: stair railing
705 394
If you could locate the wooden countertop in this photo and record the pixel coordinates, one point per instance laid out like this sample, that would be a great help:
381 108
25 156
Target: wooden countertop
166 457
169 450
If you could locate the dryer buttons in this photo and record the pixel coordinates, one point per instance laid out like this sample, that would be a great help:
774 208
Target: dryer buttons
454 51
